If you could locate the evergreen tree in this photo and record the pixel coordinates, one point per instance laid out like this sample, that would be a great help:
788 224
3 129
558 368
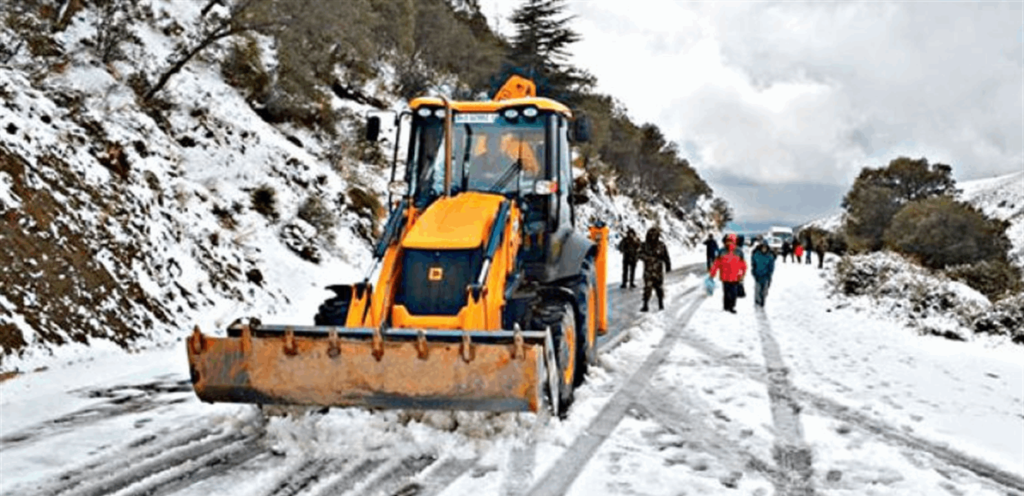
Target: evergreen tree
877 194
539 51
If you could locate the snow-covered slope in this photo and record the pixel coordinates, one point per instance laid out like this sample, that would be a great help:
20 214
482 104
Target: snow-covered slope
1001 198
130 225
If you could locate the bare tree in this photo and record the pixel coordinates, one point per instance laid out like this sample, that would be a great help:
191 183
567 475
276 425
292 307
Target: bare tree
218 27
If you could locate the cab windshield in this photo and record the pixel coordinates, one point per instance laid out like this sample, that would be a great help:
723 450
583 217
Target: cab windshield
489 153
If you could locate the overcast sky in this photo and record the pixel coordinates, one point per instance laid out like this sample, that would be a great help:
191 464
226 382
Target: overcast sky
780 105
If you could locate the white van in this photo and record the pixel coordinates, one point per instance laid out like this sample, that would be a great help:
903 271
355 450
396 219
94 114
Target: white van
776 236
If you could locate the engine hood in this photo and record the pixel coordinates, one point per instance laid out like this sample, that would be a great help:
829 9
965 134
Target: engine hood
455 223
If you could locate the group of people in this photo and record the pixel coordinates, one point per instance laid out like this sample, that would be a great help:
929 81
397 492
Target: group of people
731 267
797 250
728 263
654 254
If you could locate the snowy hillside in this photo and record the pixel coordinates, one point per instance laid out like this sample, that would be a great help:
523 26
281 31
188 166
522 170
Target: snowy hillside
129 224
1001 198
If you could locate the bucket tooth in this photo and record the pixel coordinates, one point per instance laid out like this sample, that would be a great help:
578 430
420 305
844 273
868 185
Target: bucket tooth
197 341
378 344
421 344
333 348
466 348
289 342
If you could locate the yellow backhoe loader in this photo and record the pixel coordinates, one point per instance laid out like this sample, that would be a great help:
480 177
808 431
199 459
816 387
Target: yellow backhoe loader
486 296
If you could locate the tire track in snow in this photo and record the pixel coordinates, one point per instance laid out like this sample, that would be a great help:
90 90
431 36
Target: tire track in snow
209 451
143 448
444 473
791 453
164 466
310 473
836 410
567 468
356 473
192 471
119 400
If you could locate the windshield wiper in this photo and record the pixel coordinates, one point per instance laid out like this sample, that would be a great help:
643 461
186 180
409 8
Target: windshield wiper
513 171
510 172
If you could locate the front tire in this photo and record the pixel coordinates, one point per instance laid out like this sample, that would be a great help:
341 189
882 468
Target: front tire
560 318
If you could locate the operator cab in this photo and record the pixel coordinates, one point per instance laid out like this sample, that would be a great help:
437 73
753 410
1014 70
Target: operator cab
517 150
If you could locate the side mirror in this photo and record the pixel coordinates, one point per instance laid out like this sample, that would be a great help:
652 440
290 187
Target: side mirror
372 128
581 129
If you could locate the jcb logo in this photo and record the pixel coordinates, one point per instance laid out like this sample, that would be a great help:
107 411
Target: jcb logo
435 274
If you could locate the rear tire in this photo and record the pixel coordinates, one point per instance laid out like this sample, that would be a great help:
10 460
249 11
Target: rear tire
560 317
332 312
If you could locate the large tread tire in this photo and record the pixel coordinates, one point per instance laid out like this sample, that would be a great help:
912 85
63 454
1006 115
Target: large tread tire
586 352
332 312
560 317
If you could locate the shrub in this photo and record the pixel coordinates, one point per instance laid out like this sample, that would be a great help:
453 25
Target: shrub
366 204
993 278
244 70
1005 318
939 232
315 212
264 201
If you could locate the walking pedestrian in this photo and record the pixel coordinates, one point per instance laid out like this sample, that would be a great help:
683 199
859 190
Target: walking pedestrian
630 248
712 249
820 250
787 249
656 262
732 269
762 266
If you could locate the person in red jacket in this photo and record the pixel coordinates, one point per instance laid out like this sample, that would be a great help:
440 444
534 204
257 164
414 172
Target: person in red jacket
732 268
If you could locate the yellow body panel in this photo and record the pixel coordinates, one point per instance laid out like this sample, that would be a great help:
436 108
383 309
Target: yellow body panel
454 223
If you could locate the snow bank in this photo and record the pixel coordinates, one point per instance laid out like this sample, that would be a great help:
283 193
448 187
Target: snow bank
894 288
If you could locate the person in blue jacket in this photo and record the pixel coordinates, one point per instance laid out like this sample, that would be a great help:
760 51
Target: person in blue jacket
762 266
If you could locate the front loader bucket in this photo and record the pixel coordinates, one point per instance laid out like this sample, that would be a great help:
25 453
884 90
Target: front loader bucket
396 368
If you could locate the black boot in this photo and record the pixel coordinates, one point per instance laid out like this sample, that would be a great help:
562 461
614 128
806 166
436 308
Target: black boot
661 304
644 308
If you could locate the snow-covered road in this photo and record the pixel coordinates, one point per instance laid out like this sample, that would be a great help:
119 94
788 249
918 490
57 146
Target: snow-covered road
801 398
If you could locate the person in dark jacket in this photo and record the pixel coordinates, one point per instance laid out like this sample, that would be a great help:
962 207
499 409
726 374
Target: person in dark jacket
820 250
712 249
787 249
656 262
762 266
732 268
630 248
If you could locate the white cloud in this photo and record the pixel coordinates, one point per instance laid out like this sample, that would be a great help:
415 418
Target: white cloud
778 93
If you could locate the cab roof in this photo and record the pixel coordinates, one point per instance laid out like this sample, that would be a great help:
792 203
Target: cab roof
493 106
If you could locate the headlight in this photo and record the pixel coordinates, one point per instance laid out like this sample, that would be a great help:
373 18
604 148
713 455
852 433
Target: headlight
511 114
530 112
439 113
424 112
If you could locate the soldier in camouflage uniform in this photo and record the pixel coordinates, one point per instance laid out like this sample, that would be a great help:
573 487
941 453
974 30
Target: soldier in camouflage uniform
656 263
630 248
